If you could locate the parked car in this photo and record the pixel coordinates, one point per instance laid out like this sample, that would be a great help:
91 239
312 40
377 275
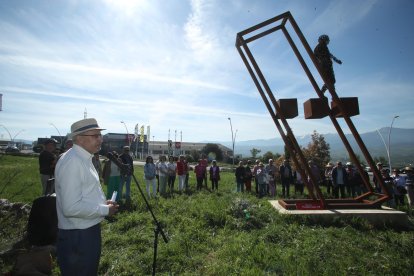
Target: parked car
11 149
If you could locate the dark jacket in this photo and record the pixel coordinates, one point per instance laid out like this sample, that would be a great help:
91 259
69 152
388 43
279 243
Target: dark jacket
282 173
240 173
335 174
127 159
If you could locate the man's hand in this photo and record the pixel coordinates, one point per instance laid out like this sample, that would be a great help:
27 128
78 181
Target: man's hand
113 208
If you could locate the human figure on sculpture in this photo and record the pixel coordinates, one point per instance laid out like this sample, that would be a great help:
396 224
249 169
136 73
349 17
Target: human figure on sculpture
324 59
214 175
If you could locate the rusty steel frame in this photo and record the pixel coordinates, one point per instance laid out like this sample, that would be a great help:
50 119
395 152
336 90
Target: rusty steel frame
287 135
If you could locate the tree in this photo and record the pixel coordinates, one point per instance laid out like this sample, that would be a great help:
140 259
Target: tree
318 150
255 152
381 159
195 155
270 155
212 151
287 153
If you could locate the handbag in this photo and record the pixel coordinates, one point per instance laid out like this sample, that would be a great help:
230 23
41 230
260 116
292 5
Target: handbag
401 190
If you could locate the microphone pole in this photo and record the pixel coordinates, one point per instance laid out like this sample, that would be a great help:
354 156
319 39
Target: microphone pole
125 169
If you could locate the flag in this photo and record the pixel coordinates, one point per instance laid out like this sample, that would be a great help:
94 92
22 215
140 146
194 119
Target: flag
136 132
142 134
148 133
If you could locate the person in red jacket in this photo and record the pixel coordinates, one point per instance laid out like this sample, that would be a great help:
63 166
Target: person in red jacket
200 172
182 169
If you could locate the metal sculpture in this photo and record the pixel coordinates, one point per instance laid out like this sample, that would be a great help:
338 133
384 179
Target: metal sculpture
283 109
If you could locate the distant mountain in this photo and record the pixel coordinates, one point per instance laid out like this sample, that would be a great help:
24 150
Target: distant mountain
402 145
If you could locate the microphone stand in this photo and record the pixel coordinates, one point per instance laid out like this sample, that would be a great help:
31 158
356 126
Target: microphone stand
158 229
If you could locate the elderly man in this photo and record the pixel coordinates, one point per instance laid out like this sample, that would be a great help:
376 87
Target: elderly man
80 202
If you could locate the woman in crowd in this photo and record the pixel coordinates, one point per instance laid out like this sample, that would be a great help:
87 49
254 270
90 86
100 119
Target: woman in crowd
112 177
163 174
171 173
182 168
149 176
262 180
214 175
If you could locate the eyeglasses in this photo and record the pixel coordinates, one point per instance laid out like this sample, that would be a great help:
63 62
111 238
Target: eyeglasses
96 136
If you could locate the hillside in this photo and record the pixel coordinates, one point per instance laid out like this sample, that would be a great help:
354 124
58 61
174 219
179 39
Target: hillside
402 145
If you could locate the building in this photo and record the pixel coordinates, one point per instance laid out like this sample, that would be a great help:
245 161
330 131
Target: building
140 150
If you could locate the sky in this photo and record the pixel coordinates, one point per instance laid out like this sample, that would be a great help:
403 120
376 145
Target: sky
173 65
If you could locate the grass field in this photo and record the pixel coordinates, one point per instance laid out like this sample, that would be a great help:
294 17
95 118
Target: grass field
210 234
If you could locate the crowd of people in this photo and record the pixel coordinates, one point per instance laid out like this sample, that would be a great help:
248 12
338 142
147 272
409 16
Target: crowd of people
81 203
160 177
340 181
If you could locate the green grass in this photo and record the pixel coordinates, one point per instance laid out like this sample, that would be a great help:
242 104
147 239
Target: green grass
209 234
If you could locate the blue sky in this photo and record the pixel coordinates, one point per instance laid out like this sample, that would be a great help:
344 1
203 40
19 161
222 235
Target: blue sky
173 65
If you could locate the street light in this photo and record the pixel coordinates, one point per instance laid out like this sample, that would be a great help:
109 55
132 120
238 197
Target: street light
387 146
233 138
14 137
60 136
389 139
129 142
7 132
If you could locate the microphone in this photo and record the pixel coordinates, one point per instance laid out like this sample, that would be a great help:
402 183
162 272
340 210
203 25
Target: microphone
123 167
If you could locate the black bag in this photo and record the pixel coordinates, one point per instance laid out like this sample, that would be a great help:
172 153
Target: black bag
401 190
42 226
